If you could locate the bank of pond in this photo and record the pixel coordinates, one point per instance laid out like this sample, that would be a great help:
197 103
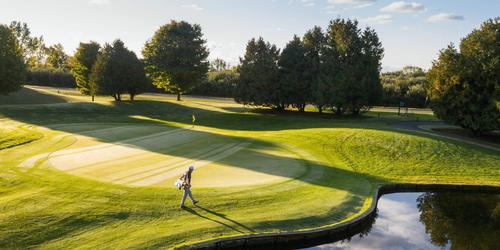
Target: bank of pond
401 217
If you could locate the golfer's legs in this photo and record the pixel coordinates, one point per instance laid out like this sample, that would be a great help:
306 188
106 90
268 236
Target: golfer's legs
186 192
191 195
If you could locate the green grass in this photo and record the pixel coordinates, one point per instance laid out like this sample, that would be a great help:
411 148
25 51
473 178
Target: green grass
345 158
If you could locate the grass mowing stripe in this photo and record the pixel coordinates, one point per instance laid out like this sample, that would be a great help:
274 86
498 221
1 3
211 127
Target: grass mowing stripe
161 165
199 163
163 171
117 143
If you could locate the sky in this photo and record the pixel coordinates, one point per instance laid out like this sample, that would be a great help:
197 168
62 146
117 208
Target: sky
411 32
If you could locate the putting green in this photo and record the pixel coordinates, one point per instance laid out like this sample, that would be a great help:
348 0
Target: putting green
151 155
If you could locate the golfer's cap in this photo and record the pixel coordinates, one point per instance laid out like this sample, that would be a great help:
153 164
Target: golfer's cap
191 167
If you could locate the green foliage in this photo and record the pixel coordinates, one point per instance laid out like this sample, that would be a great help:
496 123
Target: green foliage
294 88
176 57
57 58
33 48
218 83
408 85
339 69
465 84
218 65
313 41
351 66
12 67
118 70
82 63
50 77
258 84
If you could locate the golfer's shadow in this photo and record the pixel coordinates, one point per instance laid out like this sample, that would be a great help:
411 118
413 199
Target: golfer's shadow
222 216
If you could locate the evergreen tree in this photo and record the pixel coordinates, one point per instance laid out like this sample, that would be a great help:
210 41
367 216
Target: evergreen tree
81 68
351 67
295 90
258 83
117 71
313 41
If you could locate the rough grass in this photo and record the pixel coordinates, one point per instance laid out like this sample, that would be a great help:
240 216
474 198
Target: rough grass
11 136
41 207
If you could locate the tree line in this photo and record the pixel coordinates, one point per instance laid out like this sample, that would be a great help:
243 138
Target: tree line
335 69
407 87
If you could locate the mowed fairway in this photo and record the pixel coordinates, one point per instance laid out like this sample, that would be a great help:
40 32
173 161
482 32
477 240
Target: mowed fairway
100 175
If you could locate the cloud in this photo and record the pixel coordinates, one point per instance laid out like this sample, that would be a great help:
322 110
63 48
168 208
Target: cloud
403 7
355 4
380 19
307 3
100 2
441 17
352 2
192 6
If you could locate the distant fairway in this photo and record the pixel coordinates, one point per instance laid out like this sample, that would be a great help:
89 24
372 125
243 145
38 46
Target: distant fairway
152 155
77 174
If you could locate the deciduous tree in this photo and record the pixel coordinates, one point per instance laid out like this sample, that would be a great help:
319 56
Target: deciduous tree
56 57
465 84
176 57
12 66
33 48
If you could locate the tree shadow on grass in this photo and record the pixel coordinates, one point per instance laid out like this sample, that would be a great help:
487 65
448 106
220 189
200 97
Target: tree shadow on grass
159 112
30 96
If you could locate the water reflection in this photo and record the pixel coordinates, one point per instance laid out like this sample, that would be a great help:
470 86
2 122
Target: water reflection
430 221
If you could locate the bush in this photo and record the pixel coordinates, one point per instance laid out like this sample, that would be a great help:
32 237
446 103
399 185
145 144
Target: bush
50 77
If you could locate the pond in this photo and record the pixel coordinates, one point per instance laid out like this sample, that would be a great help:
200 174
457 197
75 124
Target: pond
430 221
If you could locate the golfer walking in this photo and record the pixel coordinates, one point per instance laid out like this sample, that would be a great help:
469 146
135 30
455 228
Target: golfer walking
186 185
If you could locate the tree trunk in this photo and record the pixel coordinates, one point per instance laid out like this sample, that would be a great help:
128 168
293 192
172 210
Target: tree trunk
302 108
132 96
92 97
320 109
338 111
178 96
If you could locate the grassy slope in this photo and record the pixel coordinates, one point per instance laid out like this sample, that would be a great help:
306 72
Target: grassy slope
50 209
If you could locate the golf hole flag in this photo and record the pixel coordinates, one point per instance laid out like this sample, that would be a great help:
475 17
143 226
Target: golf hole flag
194 118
